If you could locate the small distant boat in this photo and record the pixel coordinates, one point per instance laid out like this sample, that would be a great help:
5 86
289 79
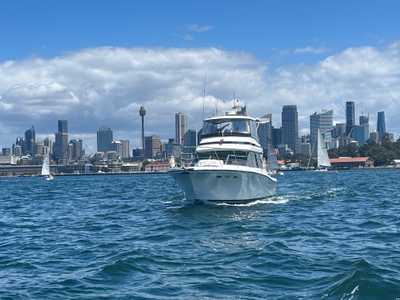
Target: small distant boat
323 162
46 168
272 163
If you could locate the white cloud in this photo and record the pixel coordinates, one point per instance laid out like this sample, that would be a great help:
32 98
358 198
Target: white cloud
199 28
310 50
106 86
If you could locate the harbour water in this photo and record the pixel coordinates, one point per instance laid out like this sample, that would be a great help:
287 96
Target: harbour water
326 235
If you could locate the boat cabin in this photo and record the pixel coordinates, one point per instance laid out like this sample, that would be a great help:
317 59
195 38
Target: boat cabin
229 126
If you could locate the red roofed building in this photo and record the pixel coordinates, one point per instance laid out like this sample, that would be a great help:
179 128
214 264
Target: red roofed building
351 162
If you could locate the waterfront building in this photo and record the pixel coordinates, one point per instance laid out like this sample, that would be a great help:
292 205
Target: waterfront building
264 131
324 123
104 139
180 127
381 126
290 126
6 151
75 150
152 147
30 140
61 142
122 148
137 154
350 116
172 149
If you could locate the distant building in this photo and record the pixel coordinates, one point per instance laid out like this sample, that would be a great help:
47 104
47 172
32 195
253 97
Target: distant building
351 162
290 126
190 139
75 150
276 137
6 151
373 137
48 145
264 132
172 149
121 147
381 126
180 127
322 121
137 154
104 139
350 116
157 166
152 147
61 141
339 130
40 148
305 149
361 132
30 140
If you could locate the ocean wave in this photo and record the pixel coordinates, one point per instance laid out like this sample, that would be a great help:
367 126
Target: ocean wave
363 280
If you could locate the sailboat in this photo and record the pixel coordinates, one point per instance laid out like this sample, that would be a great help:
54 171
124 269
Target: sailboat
46 168
272 162
323 161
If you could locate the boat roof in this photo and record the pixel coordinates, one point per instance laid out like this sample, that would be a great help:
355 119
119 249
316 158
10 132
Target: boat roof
230 117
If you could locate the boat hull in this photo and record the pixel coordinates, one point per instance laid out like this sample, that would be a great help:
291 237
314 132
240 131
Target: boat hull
228 186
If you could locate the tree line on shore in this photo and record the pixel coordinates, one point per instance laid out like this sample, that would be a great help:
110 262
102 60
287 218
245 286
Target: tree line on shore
381 154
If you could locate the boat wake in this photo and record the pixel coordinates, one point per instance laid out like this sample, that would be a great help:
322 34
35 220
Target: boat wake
269 200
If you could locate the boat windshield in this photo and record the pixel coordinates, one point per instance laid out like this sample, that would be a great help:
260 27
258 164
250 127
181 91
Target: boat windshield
229 127
241 158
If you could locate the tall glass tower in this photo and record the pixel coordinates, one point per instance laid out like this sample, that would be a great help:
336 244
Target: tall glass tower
290 126
350 116
381 126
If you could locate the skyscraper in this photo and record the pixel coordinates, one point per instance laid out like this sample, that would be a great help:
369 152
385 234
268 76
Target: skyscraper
30 140
152 146
381 126
322 121
290 126
61 141
350 116
104 139
180 127
264 132
190 139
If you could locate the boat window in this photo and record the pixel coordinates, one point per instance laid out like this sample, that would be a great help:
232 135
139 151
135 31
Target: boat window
226 127
240 158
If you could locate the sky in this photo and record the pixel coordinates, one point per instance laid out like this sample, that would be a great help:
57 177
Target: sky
95 62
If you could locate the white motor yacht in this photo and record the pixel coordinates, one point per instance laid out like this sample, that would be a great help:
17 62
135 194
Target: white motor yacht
229 165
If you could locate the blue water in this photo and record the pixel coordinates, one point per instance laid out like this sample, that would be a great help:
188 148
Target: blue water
324 236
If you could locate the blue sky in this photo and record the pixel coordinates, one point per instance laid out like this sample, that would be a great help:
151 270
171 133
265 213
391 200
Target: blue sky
95 62
49 28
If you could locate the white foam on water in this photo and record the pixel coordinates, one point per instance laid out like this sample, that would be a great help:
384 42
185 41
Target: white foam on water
271 200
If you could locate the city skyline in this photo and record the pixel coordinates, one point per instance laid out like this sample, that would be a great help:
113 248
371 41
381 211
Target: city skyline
289 135
100 75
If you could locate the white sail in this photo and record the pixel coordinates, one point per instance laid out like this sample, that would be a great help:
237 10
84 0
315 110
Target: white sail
272 161
322 152
46 166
